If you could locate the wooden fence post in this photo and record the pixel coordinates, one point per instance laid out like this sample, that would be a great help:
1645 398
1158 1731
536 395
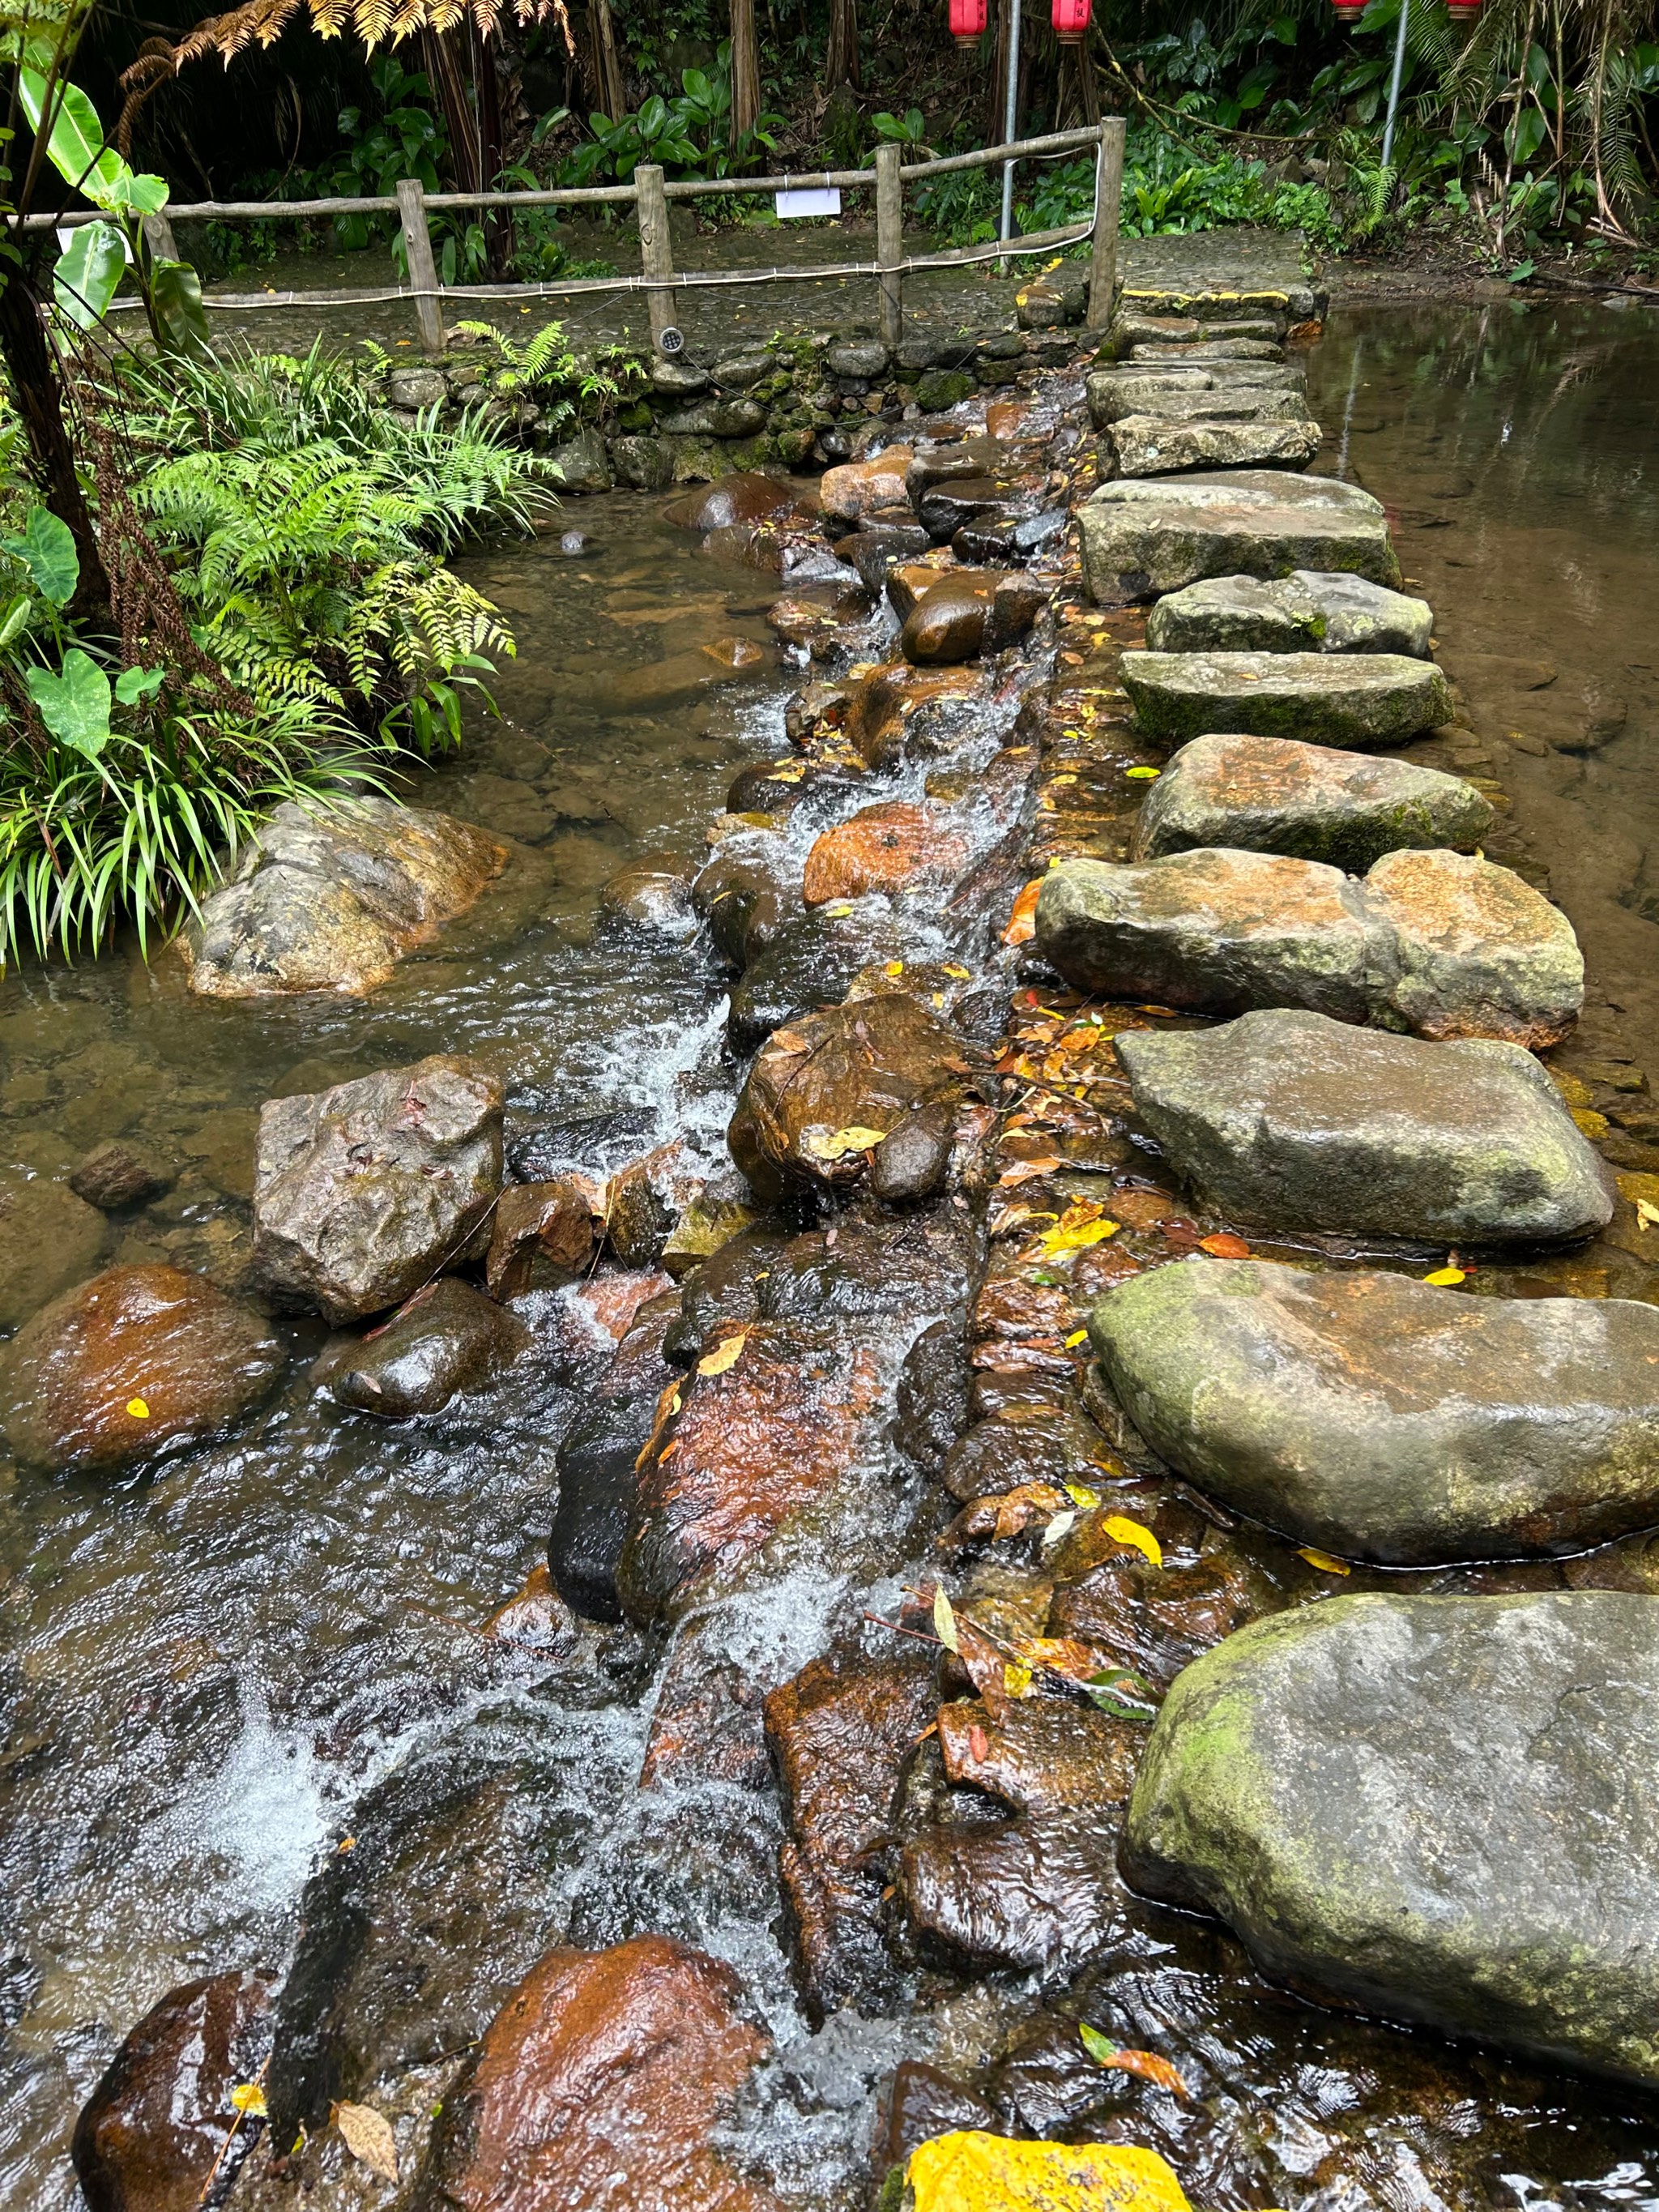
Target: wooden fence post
1108 213
890 242
656 248
422 270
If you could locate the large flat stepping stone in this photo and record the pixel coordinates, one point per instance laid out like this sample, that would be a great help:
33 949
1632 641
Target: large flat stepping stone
1291 1120
1381 1419
1439 942
1113 392
1201 352
1185 399
1155 445
1361 700
1278 795
1307 611
1142 537
1437 1809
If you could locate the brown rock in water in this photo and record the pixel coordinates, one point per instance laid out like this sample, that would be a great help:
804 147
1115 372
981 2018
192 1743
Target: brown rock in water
535 1618
1041 1754
148 2136
852 1073
49 1238
447 1338
770 1437
192 1358
1038 1895
706 1725
363 1192
921 2101
745 495
1481 952
653 892
116 1175
541 1235
913 1160
597 2089
948 622
1154 1620
860 488
333 901
881 849
888 697
840 1732
733 651
644 1201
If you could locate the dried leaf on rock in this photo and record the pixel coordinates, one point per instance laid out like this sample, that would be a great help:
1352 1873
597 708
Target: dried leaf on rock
1443 1278
1225 1246
944 1620
1022 922
1023 1170
973 2172
835 1144
1125 1531
1647 1215
725 1355
1323 1561
1146 2064
1071 1234
368 2137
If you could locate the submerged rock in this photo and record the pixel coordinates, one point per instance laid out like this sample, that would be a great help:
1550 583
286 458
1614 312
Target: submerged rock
810 963
333 901
447 1338
598 1460
889 849
1035 1896
49 1238
116 1175
138 1363
651 893
1432 942
1431 1808
1277 795
597 2087
541 1235
1142 536
743 496
1360 700
160 2120
1379 1418
1292 1121
1307 611
363 1192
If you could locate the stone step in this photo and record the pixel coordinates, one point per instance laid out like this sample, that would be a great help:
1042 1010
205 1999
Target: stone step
1291 1120
1290 302
1381 1419
1141 538
1277 795
1134 330
1436 1808
1437 942
1360 699
1155 445
1134 390
1184 399
1156 353
1307 611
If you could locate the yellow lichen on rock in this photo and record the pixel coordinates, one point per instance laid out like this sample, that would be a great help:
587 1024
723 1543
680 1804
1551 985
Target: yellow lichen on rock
972 2171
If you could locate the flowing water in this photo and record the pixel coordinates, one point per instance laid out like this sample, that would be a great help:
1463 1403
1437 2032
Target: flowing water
212 1675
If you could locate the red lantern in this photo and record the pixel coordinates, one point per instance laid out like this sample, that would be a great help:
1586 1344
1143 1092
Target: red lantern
1462 11
1348 12
967 21
1069 19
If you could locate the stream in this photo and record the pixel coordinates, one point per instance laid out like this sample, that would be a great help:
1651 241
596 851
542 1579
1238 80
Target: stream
214 1674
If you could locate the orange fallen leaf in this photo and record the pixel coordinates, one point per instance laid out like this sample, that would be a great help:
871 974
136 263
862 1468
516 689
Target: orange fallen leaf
1044 1163
1022 922
1146 2064
1225 1246
726 1354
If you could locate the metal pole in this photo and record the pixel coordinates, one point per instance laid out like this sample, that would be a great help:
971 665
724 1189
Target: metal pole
1394 84
1011 110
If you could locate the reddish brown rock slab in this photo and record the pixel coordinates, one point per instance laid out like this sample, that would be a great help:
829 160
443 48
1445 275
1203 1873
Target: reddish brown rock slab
1036 1895
825 1090
1155 1621
1042 1754
839 1734
908 580
597 2089
743 496
644 1201
947 622
139 1362
148 2138
765 1440
860 488
890 848
535 1618
542 1234
889 697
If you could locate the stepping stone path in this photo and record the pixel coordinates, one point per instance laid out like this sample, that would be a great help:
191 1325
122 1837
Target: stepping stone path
1434 942
1294 1121
1360 699
1142 537
1155 445
1437 1809
1303 612
1376 1415
1277 795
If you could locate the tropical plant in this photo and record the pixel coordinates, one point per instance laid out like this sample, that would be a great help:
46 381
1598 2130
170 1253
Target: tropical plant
690 134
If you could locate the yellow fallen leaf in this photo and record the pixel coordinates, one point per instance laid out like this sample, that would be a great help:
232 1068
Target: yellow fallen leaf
1078 1336
1443 1278
368 2137
1125 1531
962 974
1323 1561
1146 2064
1142 775
1016 1678
249 2099
725 1355
973 2172
1063 1239
893 968
839 910
835 1144
139 1409
945 1620
1080 1494
1646 1215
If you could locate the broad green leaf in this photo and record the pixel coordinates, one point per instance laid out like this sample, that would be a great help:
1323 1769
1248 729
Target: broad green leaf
143 194
16 614
135 683
75 706
46 548
87 272
76 147
175 294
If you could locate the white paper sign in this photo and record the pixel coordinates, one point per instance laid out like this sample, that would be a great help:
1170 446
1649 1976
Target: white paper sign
808 199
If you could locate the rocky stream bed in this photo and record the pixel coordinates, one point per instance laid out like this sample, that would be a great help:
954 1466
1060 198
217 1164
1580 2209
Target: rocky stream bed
1095 1436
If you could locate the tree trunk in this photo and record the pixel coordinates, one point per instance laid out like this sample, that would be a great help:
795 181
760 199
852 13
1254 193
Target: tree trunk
492 153
609 88
1088 77
843 68
745 71
39 399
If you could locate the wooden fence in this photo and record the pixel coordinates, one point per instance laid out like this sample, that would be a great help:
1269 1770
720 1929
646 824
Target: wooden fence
650 194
